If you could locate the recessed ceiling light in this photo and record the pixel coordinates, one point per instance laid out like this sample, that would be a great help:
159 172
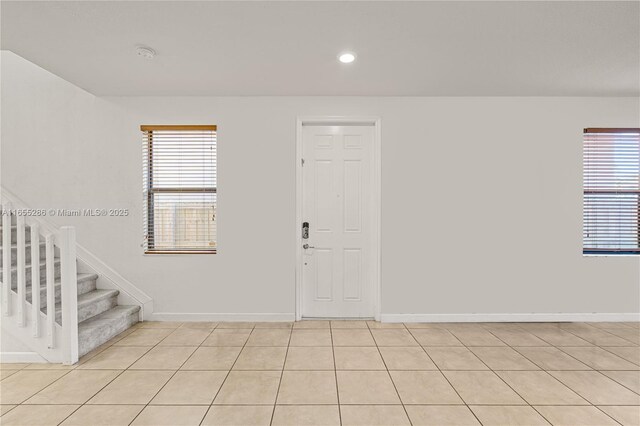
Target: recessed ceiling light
145 52
347 57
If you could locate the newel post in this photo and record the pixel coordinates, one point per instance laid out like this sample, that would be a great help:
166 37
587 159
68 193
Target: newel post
69 298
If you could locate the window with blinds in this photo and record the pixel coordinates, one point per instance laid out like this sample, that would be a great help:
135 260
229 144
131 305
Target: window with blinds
611 202
180 188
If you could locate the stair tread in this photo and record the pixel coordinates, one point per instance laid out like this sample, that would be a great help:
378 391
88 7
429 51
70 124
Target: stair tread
87 276
91 297
91 304
42 264
81 278
96 295
27 244
99 329
104 318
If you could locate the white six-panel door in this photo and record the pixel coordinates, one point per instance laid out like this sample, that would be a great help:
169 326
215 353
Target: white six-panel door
338 203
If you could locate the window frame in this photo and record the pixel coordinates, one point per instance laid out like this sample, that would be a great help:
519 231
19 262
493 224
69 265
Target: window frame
585 191
150 191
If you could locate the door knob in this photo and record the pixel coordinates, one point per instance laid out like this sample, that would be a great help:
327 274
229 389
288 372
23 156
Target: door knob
307 246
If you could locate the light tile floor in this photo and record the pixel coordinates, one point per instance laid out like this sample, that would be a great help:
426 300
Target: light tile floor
339 372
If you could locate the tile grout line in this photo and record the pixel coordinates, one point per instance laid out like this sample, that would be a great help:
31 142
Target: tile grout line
537 364
505 382
34 394
228 372
174 373
107 384
631 344
589 368
46 386
469 348
551 375
445 377
83 404
593 370
75 368
558 329
548 372
404 408
598 329
68 371
335 373
284 362
621 384
624 338
607 349
560 348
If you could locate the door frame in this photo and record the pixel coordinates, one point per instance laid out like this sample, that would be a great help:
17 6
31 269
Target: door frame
377 167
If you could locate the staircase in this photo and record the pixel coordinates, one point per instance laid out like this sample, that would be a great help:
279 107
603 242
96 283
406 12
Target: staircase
58 312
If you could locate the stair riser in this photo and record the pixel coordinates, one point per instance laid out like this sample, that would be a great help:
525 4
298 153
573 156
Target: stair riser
92 309
104 334
27 252
84 286
43 275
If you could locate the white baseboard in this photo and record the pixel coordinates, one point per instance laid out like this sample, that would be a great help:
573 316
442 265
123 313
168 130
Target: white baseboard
21 357
187 317
553 317
558 317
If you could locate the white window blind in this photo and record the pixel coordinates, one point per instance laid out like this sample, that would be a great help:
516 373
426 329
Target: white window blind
180 188
611 201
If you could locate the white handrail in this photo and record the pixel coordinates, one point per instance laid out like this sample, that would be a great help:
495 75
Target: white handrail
21 266
67 243
51 291
35 279
6 259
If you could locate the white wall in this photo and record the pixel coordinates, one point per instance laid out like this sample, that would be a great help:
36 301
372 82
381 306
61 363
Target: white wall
481 196
13 350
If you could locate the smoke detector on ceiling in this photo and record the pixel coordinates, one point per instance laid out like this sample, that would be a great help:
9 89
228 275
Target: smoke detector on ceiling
145 52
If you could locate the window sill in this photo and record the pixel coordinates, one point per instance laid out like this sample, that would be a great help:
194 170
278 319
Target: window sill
610 255
157 252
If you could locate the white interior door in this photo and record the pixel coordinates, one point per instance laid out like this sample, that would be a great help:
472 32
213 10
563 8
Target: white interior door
338 204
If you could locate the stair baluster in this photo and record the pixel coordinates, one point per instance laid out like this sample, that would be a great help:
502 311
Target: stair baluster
6 259
21 270
51 291
35 279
